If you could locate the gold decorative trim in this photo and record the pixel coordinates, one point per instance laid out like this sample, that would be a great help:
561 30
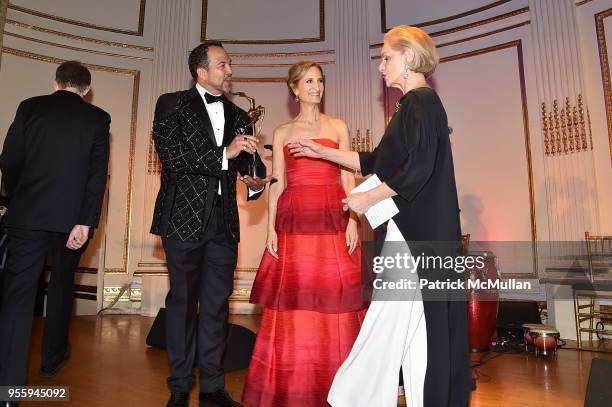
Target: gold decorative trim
383 15
147 273
241 295
164 272
361 144
133 294
280 65
246 270
86 270
78 37
471 25
519 48
321 37
605 69
3 10
280 54
475 37
482 22
138 32
151 264
91 51
580 3
262 80
54 60
565 132
136 77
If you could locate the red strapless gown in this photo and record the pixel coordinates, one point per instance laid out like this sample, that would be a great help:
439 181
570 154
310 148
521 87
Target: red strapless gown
311 295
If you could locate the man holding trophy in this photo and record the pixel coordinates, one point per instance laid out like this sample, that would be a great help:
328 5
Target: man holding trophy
204 144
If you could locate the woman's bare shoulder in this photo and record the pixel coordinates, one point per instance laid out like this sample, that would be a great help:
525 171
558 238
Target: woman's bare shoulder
281 132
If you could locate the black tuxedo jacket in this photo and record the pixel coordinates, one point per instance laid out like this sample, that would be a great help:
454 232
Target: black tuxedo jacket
54 163
191 166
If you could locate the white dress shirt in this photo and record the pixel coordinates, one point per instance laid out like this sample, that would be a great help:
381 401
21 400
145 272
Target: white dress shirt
217 119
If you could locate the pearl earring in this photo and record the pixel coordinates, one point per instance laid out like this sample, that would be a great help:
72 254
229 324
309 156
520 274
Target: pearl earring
405 71
297 99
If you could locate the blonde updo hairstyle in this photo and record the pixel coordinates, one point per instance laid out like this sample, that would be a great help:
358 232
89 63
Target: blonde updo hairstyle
297 72
405 37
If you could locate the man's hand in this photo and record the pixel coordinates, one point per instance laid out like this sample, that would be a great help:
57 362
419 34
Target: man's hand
78 237
240 144
256 183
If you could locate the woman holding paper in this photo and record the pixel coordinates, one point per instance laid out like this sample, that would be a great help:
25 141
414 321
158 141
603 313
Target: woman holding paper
309 279
413 161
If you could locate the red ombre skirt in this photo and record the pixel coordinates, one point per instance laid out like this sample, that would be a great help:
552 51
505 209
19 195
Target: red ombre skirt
313 307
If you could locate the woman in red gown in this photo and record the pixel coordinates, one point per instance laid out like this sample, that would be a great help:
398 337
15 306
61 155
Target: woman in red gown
309 279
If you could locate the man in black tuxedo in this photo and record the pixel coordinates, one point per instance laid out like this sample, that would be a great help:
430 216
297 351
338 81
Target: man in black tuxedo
54 167
196 214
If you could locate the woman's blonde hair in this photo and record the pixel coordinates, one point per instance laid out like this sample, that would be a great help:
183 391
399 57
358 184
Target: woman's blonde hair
405 37
297 72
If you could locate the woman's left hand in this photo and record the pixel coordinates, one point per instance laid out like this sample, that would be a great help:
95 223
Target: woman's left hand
352 236
359 202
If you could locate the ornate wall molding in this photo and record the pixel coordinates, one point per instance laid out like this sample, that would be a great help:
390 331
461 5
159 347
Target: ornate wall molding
3 5
90 51
605 69
475 37
320 38
474 25
383 15
163 269
280 54
138 32
78 37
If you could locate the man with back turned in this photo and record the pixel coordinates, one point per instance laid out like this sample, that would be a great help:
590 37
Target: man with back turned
54 168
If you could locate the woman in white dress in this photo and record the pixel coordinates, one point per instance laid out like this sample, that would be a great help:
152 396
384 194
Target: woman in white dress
424 332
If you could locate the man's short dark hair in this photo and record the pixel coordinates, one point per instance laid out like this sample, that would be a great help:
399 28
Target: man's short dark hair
198 58
72 74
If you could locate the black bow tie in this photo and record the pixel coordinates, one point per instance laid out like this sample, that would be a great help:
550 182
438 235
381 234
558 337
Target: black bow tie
212 98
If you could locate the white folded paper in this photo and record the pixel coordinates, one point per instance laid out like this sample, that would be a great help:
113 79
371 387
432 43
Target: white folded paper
383 210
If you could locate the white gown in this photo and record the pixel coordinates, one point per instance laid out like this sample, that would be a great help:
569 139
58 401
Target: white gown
393 334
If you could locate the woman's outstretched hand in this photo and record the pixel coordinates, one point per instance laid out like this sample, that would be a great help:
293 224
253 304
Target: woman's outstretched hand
306 148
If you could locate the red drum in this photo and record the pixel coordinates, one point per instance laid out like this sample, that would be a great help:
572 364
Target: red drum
527 338
483 302
545 340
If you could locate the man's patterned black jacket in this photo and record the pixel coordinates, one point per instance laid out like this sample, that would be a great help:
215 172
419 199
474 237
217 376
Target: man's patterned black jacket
191 167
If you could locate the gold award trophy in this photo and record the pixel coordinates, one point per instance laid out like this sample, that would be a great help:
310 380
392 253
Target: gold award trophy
253 126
